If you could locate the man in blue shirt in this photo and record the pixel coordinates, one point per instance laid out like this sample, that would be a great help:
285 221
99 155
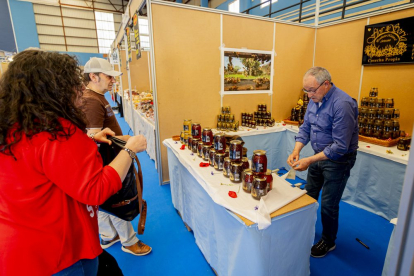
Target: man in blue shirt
331 126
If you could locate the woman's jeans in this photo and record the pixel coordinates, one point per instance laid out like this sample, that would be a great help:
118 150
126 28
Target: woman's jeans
82 267
331 177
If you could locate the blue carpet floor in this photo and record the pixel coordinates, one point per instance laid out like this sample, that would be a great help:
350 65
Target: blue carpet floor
176 253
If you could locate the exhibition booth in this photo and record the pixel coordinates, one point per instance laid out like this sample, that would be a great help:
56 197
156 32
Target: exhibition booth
191 52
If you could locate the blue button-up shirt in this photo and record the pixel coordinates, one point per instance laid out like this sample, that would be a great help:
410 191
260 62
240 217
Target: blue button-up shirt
331 127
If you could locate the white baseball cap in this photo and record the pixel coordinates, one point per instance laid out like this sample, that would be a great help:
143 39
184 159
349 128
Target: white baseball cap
100 65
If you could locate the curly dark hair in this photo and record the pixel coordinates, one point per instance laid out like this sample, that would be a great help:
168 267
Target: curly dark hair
37 90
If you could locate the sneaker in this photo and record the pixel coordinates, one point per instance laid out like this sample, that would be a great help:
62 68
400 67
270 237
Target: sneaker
321 248
137 249
106 244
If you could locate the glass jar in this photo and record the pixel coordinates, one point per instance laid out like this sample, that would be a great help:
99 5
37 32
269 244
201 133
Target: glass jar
362 122
226 167
236 170
190 142
403 144
196 130
182 137
195 145
235 151
396 113
200 145
380 103
369 131
364 112
207 136
380 113
187 125
388 125
372 113
364 102
389 103
220 142
387 114
396 126
372 102
211 156
245 162
259 161
387 135
373 93
247 180
219 161
185 141
259 188
206 149
269 180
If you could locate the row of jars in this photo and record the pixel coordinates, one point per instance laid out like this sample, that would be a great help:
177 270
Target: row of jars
225 118
258 122
380 129
256 115
262 108
227 126
377 102
379 113
225 110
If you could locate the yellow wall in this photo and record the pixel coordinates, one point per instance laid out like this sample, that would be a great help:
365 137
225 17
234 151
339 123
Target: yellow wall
4 66
139 70
339 49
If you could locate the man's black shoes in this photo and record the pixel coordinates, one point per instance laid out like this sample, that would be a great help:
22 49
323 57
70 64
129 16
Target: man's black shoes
321 248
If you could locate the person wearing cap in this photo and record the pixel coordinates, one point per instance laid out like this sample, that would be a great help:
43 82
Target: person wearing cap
99 78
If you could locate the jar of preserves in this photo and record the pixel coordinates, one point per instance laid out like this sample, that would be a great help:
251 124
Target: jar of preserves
388 114
259 161
245 162
220 142
269 180
206 149
196 130
364 102
219 161
187 125
207 136
226 167
389 103
387 135
190 142
259 188
380 113
227 152
373 93
396 126
182 137
403 144
264 107
364 112
362 122
235 151
211 156
361 130
396 113
380 103
372 113
219 118
200 145
372 102
195 145
388 125
236 170
185 142
247 179
369 131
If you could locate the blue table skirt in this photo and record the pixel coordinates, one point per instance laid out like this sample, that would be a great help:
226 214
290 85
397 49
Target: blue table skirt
231 247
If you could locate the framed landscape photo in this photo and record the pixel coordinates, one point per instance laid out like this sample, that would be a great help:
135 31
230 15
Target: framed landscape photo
246 71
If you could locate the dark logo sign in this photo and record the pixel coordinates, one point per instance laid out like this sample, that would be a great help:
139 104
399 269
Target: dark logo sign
389 42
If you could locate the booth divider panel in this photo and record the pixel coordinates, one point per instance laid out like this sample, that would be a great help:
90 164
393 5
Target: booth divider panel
339 50
187 62
294 49
140 72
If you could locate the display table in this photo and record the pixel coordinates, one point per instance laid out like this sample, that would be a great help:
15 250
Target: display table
376 179
233 245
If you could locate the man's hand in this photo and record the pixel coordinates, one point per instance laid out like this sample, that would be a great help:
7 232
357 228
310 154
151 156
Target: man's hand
101 136
293 157
302 164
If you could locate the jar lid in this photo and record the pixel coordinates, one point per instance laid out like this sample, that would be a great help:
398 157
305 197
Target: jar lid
196 140
200 142
196 124
248 171
219 154
235 163
244 159
268 172
206 146
227 159
260 179
212 150
187 120
206 129
259 152
236 142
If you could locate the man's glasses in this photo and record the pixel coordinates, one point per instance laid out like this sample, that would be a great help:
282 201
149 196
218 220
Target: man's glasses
108 77
313 91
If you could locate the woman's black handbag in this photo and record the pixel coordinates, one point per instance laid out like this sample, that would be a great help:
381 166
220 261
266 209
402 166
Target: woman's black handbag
127 203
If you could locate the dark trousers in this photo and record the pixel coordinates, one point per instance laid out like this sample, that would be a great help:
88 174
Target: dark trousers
331 177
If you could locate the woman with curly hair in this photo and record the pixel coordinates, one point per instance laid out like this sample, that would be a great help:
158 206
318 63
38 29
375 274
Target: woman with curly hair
51 176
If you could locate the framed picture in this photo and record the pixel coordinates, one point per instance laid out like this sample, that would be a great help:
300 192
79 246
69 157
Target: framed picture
389 42
246 71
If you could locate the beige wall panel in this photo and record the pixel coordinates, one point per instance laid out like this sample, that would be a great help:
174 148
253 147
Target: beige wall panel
48 19
51 39
187 62
78 13
45 9
294 49
249 33
82 23
81 41
393 81
83 49
52 47
339 50
4 66
140 72
54 30
244 103
391 16
124 71
80 32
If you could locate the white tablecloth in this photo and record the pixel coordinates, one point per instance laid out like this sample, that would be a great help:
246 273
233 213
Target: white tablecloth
231 247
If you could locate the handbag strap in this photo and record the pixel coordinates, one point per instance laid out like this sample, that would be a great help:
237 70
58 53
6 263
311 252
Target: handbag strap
142 204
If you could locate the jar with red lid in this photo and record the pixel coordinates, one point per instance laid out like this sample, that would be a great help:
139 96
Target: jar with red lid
245 162
236 150
247 179
219 161
259 161
200 145
220 142
269 180
206 149
226 167
196 130
195 144
190 142
259 188
236 170
211 156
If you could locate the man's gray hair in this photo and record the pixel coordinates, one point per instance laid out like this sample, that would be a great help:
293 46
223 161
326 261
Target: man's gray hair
320 74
